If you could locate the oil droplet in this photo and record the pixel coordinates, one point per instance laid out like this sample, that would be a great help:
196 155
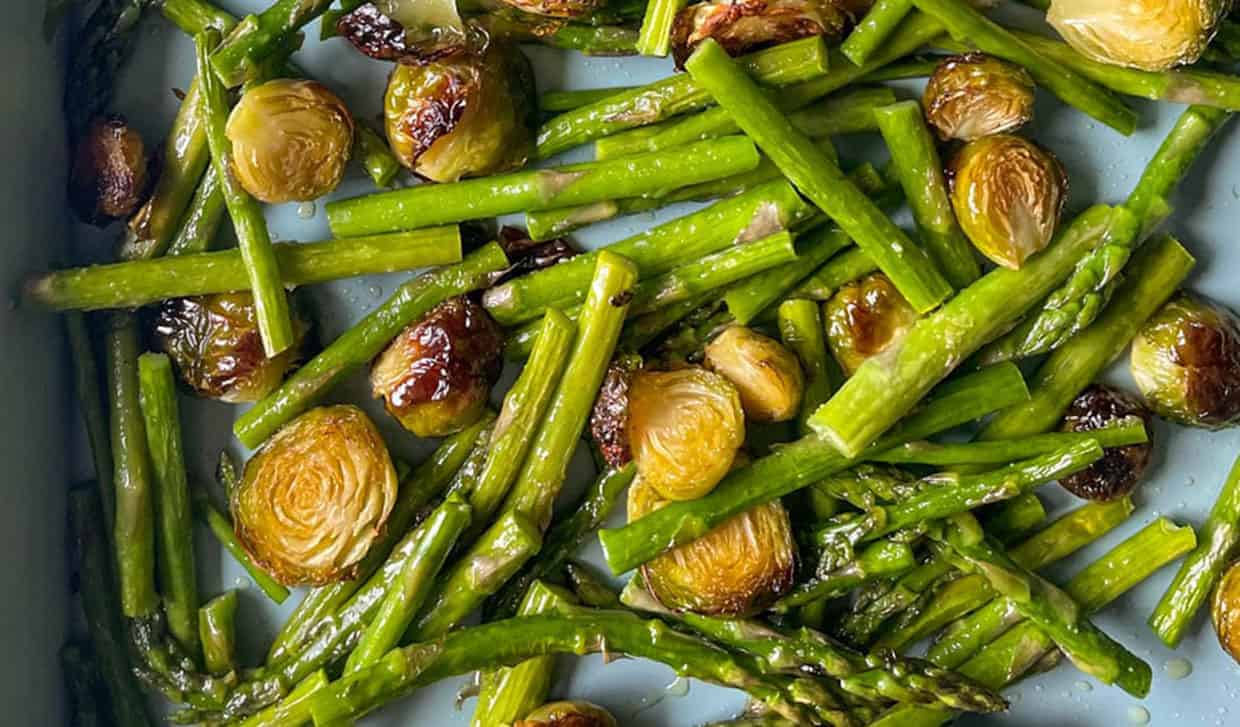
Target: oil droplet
375 291
241 583
1178 668
306 210
471 688
1138 715
1084 686
678 688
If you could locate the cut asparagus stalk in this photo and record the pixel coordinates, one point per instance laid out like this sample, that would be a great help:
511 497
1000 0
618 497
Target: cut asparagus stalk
217 629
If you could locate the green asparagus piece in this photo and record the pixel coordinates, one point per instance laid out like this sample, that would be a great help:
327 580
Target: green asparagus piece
560 101
1010 450
844 268
364 341
589 586
874 29
750 297
655 38
882 559
1203 567
203 216
174 515
256 37
797 465
86 382
294 703
377 159
195 16
921 66
218 633
223 530
800 327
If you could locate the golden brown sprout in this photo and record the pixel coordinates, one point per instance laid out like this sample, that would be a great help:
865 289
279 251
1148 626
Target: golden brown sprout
976 95
1153 35
767 375
738 568
744 25
865 318
410 31
609 421
1225 611
1186 362
315 496
462 116
109 178
1121 468
1008 194
291 140
436 375
215 344
576 713
684 428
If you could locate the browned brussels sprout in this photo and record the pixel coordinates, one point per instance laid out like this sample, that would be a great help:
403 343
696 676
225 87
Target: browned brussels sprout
609 422
976 95
291 140
557 8
463 116
316 496
767 375
1186 362
1120 470
865 318
526 255
568 714
738 568
1225 611
744 25
109 178
410 31
215 344
1153 35
1008 194
685 427
436 375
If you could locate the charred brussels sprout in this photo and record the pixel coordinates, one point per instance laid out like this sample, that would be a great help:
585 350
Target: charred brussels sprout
744 25
1008 194
291 140
976 95
1186 362
1225 611
410 31
767 375
684 429
1121 468
315 496
609 421
436 375
463 116
109 177
215 343
865 318
1153 35
568 714
738 568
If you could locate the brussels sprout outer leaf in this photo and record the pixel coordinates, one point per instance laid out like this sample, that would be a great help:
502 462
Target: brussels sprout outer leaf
377 159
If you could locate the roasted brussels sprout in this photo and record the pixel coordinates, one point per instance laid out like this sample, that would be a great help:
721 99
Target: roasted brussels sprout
865 318
526 255
1008 194
109 178
1153 35
215 344
1225 611
684 429
568 714
767 375
410 31
436 375
609 421
976 95
744 25
1121 468
1186 362
557 8
462 116
738 568
315 496
291 140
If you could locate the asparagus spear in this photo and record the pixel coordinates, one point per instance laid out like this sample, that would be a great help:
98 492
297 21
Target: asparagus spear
203 216
844 268
1009 450
295 703
882 559
589 587
800 327
258 36
218 633
560 101
103 44
1203 567
377 159
86 382
748 298
222 528
655 38
875 28
364 341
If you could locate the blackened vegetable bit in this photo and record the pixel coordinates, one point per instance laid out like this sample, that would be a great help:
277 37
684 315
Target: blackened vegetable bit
1121 468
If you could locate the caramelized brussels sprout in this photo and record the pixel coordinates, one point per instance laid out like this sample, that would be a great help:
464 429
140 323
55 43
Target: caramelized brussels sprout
109 178
976 95
215 344
609 421
568 714
1186 362
462 116
744 25
526 255
738 568
684 429
1225 611
315 497
1153 35
1008 194
865 318
291 140
436 375
767 375
1121 468
410 31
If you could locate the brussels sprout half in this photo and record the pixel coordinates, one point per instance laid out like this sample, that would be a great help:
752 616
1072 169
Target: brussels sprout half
109 176
865 318
767 375
576 713
976 95
1121 468
1153 35
609 420
744 25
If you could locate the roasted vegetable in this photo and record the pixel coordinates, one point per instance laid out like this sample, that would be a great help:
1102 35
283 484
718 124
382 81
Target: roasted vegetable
410 31
527 255
1150 34
976 95
865 318
767 375
109 178
744 25
1008 194
557 8
738 568
568 714
215 344
1121 468
609 421
436 375
462 116
315 496
1225 611
684 429
291 140
1186 362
